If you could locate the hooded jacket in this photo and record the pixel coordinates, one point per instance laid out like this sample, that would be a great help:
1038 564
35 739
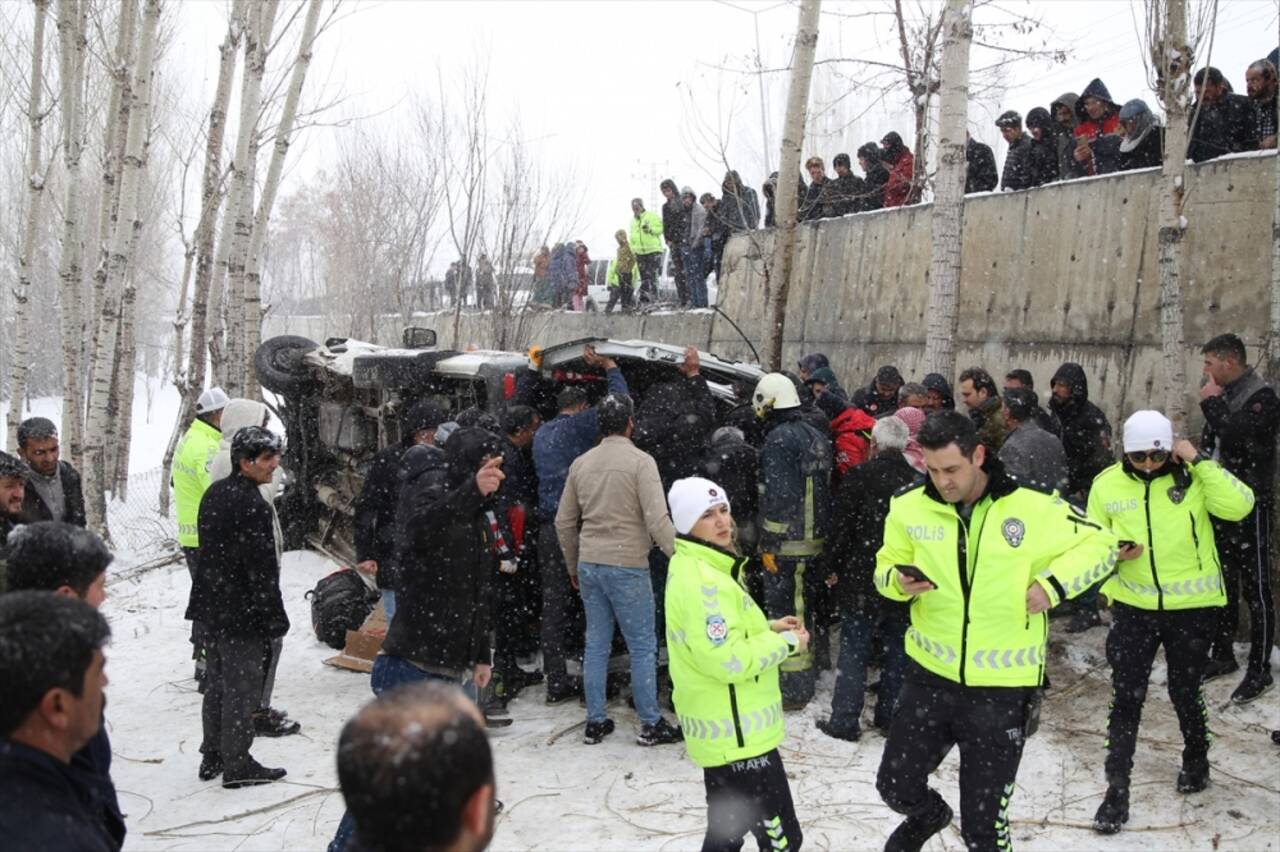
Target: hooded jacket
1086 433
447 559
1068 168
980 167
850 433
1145 148
734 465
877 177
897 190
938 382
675 220
1044 151
1103 135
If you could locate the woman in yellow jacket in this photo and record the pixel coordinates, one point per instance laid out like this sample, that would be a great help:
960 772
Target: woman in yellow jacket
1166 591
724 664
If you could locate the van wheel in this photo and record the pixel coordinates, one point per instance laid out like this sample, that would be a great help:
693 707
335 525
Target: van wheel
278 363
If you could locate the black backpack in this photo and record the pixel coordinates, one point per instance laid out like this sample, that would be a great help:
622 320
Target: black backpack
340 602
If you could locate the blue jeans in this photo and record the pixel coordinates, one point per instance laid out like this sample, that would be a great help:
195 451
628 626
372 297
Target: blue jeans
623 595
695 274
856 632
389 604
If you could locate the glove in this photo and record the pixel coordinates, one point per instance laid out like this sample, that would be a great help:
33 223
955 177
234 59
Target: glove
770 562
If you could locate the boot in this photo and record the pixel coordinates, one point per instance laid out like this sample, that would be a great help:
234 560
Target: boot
210 766
660 732
268 722
915 831
597 731
1194 776
848 734
1114 810
255 773
1252 687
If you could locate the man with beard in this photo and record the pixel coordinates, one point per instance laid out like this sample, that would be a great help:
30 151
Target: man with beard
53 489
13 486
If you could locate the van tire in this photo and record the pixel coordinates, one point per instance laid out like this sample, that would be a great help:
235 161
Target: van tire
278 363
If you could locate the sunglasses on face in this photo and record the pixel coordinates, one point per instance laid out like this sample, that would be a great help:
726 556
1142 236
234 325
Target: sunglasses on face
1157 456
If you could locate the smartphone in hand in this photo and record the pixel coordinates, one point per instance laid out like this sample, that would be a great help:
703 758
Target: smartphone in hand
916 574
1125 544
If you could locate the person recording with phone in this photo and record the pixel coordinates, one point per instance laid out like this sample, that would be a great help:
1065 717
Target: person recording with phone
1168 590
990 558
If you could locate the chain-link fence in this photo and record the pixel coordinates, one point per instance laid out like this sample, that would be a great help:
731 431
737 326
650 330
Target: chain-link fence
139 533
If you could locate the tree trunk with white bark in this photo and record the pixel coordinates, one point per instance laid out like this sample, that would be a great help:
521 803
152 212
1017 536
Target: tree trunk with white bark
124 237
806 46
948 198
26 253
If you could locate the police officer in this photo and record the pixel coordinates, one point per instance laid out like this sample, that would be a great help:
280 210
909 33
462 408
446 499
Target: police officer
1168 590
983 559
795 478
725 657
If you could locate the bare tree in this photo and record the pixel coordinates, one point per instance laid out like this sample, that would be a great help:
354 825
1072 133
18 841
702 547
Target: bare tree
35 194
948 201
806 45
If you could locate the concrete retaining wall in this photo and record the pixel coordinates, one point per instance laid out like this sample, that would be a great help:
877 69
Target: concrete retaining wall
1066 272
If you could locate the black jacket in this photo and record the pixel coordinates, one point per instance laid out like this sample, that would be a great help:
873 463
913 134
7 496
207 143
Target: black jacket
980 167
673 423
34 509
871 402
1019 171
237 589
447 559
862 505
1149 153
811 204
675 221
734 466
375 512
842 195
1225 127
1240 430
874 183
1086 434
95 758
1044 160
48 805
938 382
795 484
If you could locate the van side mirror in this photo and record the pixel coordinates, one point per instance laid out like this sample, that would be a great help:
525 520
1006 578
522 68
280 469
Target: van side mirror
419 338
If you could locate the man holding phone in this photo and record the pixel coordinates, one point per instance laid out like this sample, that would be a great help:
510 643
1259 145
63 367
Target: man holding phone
987 559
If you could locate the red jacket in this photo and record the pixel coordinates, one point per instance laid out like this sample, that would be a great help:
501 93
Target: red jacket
851 437
898 189
1091 130
582 260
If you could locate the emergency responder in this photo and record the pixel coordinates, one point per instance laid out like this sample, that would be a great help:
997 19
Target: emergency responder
190 479
724 664
979 555
795 478
1167 590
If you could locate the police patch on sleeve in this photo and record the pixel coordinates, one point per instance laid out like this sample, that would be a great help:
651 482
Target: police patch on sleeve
717 630
1014 531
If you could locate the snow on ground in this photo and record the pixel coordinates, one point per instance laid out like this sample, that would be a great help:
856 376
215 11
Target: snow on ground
563 795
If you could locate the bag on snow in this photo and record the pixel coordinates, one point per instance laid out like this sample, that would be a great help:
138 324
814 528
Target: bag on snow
340 602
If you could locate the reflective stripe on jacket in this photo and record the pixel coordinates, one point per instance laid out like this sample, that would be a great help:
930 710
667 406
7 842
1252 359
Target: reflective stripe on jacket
795 488
646 241
1169 517
974 628
191 477
724 658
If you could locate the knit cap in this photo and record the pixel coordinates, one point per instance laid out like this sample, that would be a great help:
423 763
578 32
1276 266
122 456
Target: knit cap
1148 430
689 498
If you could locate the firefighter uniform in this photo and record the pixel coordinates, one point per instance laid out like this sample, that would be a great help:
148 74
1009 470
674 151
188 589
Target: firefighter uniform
977 656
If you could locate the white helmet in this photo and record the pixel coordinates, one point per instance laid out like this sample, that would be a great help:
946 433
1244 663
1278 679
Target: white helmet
774 392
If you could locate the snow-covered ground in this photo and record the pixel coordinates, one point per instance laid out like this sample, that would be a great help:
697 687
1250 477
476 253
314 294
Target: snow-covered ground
562 795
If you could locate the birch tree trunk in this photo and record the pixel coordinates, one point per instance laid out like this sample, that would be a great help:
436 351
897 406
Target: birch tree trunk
284 132
128 225
784 248
191 383
1174 69
71 48
948 196
256 47
26 253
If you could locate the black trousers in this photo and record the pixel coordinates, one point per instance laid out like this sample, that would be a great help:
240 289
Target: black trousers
191 555
621 293
985 722
563 620
650 268
677 273
1244 548
233 688
750 796
1131 647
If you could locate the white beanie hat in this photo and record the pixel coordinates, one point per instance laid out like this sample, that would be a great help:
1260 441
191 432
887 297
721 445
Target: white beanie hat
689 498
214 399
1148 430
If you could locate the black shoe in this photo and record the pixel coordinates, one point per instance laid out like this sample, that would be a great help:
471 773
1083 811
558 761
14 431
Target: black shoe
210 766
849 735
1194 776
255 774
912 834
1251 687
274 723
1113 812
660 732
1085 619
559 694
1275 737
1218 668
597 731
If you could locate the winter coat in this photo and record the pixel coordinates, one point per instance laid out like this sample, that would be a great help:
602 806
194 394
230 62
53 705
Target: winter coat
843 193
1267 118
48 805
1035 458
582 260
95 758
1147 154
871 402
1168 514
675 221
1086 433
988 419
897 190
191 477
697 218
732 211
34 508
237 589
541 264
735 466
795 487
625 259
874 188
673 423
938 382
238 414
1019 171
1068 168
974 628
850 438
447 558
858 522
748 200
980 167
375 512
1240 427
811 203
559 442
1226 127
518 496
1045 151
564 272
724 658
646 233
1103 136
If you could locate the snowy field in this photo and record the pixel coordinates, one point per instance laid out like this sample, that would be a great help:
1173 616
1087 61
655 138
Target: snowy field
561 795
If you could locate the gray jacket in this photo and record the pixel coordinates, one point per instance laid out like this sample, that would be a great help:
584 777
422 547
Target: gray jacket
1035 458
